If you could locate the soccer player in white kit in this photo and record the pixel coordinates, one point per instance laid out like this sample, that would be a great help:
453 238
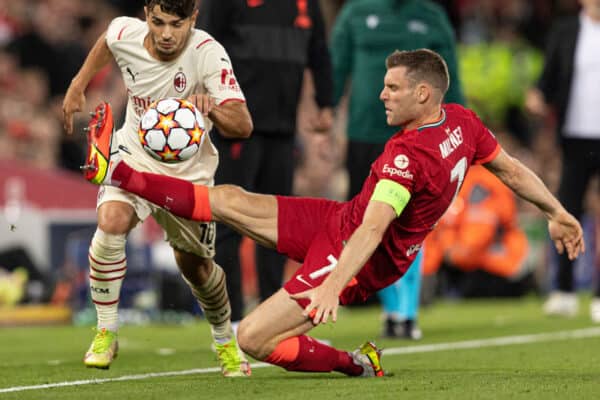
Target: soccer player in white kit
163 56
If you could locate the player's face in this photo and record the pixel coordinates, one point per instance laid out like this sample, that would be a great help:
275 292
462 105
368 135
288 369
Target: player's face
398 96
168 33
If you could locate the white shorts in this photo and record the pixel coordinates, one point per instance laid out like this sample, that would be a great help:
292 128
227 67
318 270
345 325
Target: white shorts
189 236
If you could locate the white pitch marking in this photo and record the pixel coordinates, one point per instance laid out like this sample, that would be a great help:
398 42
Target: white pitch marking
468 344
496 342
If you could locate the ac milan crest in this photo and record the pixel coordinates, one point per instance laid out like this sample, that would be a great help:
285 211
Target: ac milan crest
180 82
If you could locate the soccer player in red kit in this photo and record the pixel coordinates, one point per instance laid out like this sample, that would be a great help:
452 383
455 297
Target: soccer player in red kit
352 249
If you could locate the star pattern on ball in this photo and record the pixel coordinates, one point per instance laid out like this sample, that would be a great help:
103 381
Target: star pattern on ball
168 154
142 135
166 122
196 134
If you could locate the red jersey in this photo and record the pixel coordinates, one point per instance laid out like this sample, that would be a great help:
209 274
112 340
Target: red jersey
430 162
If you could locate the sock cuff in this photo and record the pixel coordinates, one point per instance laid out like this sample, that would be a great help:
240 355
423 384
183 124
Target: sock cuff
107 250
202 211
285 352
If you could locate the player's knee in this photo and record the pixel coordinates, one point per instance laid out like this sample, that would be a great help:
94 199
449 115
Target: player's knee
249 340
116 218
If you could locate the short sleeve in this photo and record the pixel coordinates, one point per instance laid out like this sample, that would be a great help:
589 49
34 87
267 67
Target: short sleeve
116 29
399 164
217 74
486 145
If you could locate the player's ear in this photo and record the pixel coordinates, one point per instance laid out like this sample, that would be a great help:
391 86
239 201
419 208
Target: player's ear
423 92
146 12
193 18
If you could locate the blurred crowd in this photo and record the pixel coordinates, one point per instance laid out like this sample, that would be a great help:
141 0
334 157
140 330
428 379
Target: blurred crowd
44 42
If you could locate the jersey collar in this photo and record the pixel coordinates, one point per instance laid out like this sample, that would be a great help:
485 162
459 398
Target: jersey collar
434 124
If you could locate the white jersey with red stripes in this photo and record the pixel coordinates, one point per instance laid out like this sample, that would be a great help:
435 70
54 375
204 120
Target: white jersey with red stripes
202 67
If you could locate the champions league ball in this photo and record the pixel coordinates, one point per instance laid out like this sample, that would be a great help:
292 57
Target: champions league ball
171 130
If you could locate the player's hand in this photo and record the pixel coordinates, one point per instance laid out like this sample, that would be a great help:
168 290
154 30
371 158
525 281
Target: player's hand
323 121
73 102
323 303
567 234
203 102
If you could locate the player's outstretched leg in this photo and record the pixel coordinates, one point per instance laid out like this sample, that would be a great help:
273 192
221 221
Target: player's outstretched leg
275 333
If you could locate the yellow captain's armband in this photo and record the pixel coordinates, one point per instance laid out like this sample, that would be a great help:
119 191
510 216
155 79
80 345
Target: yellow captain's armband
391 193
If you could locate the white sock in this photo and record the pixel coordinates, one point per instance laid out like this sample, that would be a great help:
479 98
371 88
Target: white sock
214 301
108 264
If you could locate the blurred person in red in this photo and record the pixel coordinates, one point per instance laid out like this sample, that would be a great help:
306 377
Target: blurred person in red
352 249
569 86
479 242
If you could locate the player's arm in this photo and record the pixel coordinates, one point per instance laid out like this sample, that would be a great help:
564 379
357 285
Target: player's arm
565 230
74 100
233 119
223 103
387 203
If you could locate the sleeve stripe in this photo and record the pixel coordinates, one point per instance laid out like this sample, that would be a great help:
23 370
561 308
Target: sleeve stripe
491 156
232 100
203 43
392 193
121 32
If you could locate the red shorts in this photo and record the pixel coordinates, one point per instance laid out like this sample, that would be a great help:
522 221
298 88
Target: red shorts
310 231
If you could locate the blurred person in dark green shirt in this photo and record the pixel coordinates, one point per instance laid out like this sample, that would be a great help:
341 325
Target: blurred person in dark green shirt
364 33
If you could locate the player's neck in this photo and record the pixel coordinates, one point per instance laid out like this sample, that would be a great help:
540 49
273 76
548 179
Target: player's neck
431 116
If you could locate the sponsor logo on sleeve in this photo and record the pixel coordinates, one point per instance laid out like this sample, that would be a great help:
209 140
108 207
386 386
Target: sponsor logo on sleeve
228 80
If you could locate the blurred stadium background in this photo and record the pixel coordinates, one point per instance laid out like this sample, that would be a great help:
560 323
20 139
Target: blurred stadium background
48 212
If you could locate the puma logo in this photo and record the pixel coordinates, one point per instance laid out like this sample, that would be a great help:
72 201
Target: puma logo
132 74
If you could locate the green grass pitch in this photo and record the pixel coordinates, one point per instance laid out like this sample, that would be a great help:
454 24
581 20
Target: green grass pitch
538 358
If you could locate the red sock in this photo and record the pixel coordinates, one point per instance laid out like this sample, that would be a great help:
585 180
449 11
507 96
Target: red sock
177 196
303 353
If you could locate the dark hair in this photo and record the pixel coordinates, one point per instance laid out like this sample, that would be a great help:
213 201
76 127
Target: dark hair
422 65
182 8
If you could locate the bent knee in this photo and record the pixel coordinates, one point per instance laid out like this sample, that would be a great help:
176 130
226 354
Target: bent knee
116 217
251 342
